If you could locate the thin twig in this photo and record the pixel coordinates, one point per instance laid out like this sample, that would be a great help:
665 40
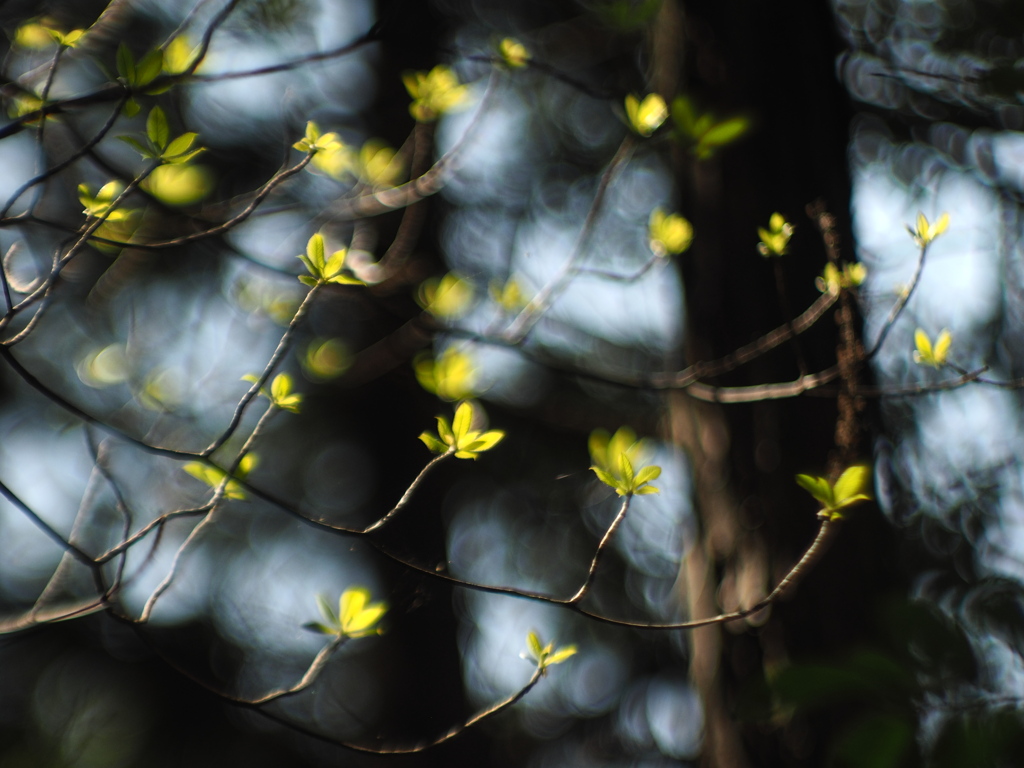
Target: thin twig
407 496
282 347
901 302
540 303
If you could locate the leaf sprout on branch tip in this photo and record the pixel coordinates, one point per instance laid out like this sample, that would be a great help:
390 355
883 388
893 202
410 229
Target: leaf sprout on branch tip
775 239
832 280
852 487
545 656
280 393
434 93
615 458
645 117
451 377
99 205
668 234
925 232
323 270
314 141
213 477
39 34
158 144
513 53
460 437
928 354
356 616
702 130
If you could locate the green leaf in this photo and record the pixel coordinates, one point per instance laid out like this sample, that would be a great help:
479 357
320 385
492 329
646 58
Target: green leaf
157 129
853 485
181 144
605 477
647 474
126 64
725 132
486 441
144 150
533 643
247 464
444 430
356 618
281 386
182 159
351 604
203 473
131 108
683 114
327 610
646 490
818 487
561 655
433 443
463 420
626 469
366 618
315 254
149 67
316 626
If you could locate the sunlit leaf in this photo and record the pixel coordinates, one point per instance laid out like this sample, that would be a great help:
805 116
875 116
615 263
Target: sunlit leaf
668 233
179 185
513 53
434 93
125 63
775 240
446 298
149 67
925 233
645 117
459 437
852 487
616 458
926 353
452 376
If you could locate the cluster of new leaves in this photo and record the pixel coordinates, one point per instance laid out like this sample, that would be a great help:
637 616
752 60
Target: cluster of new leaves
852 487
924 232
460 437
704 132
101 204
215 477
646 116
356 615
669 234
325 270
280 393
451 376
616 462
434 93
834 279
775 239
158 145
934 355
544 656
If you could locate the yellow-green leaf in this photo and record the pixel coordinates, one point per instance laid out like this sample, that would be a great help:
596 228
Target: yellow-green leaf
645 117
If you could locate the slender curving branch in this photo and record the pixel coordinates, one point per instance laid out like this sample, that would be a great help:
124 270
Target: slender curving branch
599 553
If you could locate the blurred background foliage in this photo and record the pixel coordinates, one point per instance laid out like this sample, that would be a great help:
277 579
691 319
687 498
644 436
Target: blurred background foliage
903 647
